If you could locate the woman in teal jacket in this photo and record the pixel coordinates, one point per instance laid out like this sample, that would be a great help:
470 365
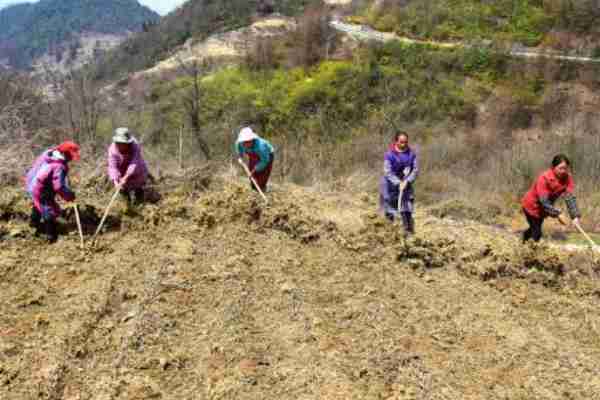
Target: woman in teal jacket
260 156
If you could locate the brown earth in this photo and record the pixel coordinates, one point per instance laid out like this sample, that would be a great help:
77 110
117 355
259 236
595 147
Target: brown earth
209 294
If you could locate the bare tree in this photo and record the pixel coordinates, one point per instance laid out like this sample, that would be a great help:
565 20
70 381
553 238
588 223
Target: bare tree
192 99
22 114
313 37
82 102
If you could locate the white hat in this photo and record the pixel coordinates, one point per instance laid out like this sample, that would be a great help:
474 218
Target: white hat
246 134
122 135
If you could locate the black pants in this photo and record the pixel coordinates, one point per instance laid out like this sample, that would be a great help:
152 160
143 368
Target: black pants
408 222
534 231
133 196
43 227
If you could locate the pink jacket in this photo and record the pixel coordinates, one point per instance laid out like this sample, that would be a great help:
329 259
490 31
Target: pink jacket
131 165
47 178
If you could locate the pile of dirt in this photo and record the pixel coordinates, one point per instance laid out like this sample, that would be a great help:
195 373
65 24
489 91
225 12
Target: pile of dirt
458 209
14 204
211 291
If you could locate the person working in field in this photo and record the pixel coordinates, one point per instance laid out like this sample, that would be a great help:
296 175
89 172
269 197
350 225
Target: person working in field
538 202
260 156
400 168
47 178
126 166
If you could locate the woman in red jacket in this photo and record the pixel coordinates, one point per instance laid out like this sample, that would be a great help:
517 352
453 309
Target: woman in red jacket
538 203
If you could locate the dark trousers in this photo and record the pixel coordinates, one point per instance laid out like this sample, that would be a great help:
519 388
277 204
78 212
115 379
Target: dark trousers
46 227
408 222
133 196
261 177
534 232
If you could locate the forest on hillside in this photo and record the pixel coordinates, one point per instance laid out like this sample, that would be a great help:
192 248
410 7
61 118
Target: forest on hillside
30 30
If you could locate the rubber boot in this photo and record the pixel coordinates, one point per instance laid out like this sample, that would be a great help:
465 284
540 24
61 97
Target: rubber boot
51 230
409 223
389 216
138 196
35 221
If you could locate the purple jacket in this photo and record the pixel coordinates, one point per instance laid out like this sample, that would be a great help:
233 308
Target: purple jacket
394 165
131 165
46 178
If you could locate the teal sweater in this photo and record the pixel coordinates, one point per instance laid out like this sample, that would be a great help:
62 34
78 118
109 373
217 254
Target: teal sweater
261 148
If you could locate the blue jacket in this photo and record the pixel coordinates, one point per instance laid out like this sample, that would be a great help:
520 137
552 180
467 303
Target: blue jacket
394 165
261 149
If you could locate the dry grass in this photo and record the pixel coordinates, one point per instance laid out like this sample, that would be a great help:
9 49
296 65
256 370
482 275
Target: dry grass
211 295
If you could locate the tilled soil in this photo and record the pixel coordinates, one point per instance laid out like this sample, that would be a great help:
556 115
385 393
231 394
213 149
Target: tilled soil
212 295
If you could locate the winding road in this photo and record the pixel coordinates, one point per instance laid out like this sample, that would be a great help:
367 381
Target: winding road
364 32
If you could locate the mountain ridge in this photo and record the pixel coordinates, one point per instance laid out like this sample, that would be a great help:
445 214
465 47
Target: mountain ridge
28 31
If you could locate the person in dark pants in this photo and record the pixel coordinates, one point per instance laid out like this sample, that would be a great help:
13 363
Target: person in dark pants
46 179
400 169
127 167
538 202
260 156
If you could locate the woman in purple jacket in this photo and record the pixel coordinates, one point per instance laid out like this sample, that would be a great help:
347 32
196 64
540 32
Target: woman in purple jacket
126 166
46 179
400 169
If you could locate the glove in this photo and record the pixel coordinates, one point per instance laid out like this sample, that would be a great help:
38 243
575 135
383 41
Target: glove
562 218
577 221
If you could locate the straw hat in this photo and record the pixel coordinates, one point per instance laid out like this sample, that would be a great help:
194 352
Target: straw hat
123 135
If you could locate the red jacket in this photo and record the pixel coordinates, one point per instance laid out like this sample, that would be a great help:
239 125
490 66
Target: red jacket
549 186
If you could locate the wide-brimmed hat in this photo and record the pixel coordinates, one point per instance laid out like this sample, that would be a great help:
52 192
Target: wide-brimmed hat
123 135
247 134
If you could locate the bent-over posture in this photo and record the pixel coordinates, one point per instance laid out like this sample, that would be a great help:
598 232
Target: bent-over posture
126 166
538 202
46 179
260 156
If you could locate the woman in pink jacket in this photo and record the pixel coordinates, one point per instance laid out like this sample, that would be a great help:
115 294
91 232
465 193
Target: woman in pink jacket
46 179
126 166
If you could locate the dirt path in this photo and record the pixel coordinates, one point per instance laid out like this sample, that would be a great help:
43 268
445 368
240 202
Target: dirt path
364 32
314 297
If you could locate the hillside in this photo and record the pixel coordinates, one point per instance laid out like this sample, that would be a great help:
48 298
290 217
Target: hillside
195 19
28 31
224 48
568 26
211 294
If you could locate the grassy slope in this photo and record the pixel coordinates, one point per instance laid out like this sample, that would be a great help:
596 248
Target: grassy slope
524 21
409 82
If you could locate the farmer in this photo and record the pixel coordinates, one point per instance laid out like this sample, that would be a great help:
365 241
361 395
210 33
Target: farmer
260 156
126 166
538 203
47 178
400 170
